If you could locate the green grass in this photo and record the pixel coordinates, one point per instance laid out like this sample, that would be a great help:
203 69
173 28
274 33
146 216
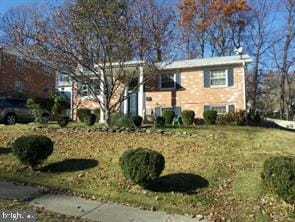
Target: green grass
229 158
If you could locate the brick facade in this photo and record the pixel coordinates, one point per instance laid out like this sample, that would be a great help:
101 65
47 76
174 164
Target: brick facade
190 91
33 79
193 95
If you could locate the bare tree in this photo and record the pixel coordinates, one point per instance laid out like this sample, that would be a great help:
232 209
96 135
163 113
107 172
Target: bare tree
260 40
14 22
284 57
92 42
155 24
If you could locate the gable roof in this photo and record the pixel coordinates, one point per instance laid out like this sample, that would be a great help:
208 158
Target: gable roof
206 62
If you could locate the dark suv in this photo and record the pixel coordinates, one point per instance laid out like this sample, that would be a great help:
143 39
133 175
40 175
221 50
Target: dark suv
16 110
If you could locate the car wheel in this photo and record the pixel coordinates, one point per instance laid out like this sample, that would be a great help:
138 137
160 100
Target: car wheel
10 119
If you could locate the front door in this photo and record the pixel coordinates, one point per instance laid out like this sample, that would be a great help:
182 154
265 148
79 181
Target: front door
133 104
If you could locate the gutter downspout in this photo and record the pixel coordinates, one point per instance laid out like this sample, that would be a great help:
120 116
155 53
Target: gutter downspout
244 84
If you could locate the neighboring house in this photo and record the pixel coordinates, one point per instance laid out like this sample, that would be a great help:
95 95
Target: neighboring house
24 77
200 84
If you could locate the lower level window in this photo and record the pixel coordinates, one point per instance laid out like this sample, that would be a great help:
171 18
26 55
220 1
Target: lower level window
18 86
219 109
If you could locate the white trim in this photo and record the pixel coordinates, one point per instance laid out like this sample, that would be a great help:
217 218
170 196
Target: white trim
226 78
102 98
140 93
244 85
205 62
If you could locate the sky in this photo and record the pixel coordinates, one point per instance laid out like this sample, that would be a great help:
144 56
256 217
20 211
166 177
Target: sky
6 4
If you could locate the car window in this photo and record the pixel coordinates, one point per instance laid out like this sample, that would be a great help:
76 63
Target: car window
16 102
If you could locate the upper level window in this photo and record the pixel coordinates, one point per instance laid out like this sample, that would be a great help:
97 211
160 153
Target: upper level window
19 61
218 78
167 81
64 78
18 86
90 88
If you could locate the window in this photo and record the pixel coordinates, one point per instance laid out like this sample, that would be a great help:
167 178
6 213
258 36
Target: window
167 81
46 70
64 78
87 89
219 109
18 86
218 78
19 61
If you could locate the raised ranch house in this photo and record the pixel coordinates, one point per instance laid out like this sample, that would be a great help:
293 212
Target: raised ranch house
24 77
200 84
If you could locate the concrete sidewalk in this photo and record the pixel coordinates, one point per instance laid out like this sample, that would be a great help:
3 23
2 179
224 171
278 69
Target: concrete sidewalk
88 209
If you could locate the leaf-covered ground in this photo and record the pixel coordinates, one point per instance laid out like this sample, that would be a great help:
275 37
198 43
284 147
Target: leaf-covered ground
215 171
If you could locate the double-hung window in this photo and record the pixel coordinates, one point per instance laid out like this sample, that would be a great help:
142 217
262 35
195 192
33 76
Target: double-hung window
18 85
218 77
19 61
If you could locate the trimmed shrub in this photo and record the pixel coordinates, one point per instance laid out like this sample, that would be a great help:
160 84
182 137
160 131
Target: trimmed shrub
210 116
232 118
199 121
137 120
278 176
90 119
160 122
187 117
168 115
120 120
63 121
83 114
142 166
32 150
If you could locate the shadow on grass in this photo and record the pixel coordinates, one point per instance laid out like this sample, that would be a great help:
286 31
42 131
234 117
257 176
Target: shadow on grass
4 150
179 183
70 165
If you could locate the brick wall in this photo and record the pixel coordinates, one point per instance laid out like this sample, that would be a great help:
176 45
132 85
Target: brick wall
193 95
34 81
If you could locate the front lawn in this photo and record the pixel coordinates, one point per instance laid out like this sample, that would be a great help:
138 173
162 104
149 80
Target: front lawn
215 171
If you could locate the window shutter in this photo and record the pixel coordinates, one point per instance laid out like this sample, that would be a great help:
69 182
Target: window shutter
206 108
231 108
206 78
178 80
158 111
230 77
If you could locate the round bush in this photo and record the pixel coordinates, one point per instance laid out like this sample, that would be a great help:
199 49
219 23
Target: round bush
168 115
137 120
142 166
120 120
90 120
83 114
278 176
63 121
187 117
32 150
160 122
210 116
